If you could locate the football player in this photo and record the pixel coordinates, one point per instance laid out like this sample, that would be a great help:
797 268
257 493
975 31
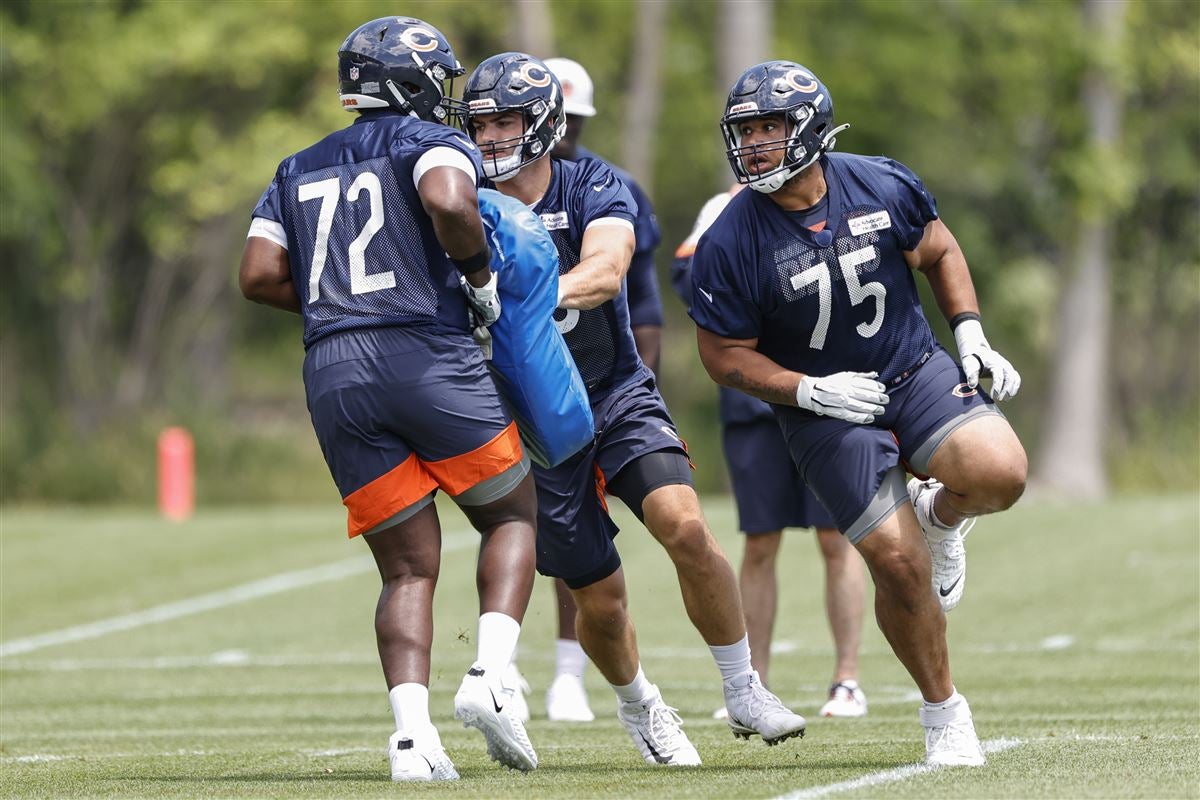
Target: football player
367 234
770 495
804 296
515 116
566 698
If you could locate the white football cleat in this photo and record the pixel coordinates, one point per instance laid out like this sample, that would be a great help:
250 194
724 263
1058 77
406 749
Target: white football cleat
418 756
950 739
513 679
753 709
657 731
567 700
846 699
485 704
946 548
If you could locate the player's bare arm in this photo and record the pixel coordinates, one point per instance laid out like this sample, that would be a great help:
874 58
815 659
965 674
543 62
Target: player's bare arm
264 275
939 258
604 257
736 363
449 198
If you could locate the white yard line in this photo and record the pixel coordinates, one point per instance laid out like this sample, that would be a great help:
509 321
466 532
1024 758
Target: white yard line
283 582
889 775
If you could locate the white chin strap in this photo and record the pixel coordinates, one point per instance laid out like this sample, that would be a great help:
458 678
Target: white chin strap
772 182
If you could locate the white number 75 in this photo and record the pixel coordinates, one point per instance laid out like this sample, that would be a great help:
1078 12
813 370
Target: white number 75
819 274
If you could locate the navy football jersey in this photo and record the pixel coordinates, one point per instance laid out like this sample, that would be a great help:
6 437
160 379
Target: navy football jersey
361 248
645 300
580 194
822 302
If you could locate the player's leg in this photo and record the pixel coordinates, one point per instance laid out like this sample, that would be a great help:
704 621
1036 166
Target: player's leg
854 471
915 626
659 484
387 494
982 467
470 446
575 543
607 634
407 554
566 699
759 595
957 435
845 590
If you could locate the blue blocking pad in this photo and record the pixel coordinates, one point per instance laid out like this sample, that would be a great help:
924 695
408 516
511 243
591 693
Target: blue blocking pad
532 367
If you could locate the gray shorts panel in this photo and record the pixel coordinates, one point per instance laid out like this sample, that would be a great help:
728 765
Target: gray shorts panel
495 487
919 462
400 516
892 493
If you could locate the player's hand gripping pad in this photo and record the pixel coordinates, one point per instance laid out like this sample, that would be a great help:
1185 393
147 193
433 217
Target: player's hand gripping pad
530 361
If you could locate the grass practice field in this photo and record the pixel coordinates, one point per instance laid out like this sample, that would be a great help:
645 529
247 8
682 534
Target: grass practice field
233 656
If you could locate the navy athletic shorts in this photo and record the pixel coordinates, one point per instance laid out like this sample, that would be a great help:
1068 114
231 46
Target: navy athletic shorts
575 532
767 487
400 412
854 469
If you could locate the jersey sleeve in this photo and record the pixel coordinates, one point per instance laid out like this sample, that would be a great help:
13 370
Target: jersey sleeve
267 219
723 298
441 146
603 199
913 207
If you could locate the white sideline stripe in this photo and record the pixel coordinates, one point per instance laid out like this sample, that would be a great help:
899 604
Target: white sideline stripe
265 587
890 775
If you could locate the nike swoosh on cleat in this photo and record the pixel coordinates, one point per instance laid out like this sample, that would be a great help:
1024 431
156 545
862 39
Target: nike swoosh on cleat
944 591
498 707
653 752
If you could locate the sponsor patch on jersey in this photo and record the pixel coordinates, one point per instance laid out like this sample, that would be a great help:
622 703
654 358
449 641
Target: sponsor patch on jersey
556 221
742 108
869 222
370 87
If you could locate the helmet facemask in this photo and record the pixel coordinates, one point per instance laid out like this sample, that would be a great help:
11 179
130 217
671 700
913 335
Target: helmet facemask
800 146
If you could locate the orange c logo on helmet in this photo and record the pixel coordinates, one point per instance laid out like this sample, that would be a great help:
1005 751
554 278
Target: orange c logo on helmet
801 81
534 74
420 39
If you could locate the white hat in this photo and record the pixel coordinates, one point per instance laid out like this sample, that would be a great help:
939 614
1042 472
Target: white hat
576 86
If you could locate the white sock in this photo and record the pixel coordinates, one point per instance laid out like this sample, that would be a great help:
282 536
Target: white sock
497 642
732 659
950 702
569 658
636 691
410 706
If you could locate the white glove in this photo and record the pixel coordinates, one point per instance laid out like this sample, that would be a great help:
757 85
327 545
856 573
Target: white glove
485 300
850 396
978 358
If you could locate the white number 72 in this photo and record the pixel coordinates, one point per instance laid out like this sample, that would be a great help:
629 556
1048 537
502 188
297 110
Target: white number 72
819 274
327 192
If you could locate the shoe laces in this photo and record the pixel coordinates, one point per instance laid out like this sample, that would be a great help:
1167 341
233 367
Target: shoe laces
666 726
954 735
759 699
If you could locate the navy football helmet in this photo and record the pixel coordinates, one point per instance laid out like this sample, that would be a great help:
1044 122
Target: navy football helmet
793 92
515 82
400 63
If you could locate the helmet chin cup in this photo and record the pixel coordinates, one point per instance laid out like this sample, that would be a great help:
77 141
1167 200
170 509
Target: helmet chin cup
502 169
